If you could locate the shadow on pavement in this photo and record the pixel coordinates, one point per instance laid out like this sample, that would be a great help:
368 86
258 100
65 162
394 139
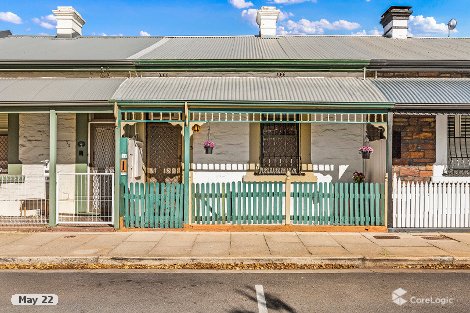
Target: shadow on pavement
272 302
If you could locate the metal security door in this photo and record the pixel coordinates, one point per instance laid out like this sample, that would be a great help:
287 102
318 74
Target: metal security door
164 153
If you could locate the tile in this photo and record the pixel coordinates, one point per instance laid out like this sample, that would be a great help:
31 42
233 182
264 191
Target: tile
132 249
146 236
318 240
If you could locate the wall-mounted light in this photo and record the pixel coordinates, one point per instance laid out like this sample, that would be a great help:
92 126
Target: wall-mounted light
81 144
196 128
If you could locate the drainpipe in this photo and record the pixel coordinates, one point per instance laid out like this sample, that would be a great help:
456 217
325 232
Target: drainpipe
52 168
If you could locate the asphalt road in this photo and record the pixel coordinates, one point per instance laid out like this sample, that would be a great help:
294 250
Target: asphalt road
233 292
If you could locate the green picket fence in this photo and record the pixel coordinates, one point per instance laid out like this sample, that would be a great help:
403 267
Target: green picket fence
238 203
338 203
153 205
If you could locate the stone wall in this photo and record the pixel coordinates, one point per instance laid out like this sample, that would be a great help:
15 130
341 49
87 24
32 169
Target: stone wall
418 147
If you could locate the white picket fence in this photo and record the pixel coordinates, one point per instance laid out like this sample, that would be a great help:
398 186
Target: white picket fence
430 205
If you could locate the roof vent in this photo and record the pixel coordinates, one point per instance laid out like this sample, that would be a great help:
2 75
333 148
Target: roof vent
395 22
5 33
266 18
69 22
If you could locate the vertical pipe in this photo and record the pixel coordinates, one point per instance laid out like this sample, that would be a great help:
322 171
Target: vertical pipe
52 167
117 170
186 138
389 174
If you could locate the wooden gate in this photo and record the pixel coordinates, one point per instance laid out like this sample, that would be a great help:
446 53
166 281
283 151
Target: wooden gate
153 205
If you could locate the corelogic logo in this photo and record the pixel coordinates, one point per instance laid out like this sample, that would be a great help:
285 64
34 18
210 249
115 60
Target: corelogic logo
397 296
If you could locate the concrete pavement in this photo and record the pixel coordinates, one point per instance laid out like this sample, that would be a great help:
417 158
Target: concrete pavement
353 249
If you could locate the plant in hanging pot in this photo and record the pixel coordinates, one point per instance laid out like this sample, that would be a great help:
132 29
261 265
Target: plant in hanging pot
209 145
359 177
366 151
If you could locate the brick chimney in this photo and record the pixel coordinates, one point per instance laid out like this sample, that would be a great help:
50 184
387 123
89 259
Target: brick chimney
69 22
267 18
395 22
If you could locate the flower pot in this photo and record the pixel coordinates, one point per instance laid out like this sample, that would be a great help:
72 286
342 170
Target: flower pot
208 150
365 154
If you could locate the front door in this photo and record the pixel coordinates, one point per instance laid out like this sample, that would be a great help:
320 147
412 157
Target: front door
102 161
164 152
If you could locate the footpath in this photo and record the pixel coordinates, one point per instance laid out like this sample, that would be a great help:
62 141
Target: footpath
232 250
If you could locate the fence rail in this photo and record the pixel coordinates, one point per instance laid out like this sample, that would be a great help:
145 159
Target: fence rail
153 205
430 205
23 200
338 203
238 203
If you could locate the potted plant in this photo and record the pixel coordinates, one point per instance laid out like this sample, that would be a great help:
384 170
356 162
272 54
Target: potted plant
359 177
209 146
366 151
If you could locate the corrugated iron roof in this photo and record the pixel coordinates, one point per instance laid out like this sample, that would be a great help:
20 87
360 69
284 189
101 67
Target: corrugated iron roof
58 89
234 48
312 47
424 90
79 48
256 89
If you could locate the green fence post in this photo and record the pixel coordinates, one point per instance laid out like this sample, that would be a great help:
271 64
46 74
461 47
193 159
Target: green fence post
186 138
52 168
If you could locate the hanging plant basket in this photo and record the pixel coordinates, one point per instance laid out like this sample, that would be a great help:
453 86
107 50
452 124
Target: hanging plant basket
366 151
209 146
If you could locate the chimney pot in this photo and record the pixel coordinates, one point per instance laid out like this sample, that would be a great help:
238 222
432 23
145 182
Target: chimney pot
395 22
69 22
267 18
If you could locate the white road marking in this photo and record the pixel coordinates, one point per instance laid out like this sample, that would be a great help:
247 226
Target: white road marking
261 299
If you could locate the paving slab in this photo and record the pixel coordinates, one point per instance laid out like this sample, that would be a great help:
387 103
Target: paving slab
168 251
290 249
462 237
350 238
7 238
406 240
132 249
63 245
213 237
282 237
364 249
452 247
415 251
219 249
38 239
146 236
329 251
317 240
171 239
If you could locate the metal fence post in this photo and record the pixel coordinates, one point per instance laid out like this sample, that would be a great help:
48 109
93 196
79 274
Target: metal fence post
117 169
187 136
52 168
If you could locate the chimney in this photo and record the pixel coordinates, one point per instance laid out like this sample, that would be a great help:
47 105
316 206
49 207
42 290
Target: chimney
266 18
395 22
5 33
69 22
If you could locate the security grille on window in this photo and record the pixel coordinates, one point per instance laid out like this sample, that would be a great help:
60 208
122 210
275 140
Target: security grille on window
458 145
279 149
3 154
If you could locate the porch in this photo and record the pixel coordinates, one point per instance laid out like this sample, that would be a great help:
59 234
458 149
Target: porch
274 162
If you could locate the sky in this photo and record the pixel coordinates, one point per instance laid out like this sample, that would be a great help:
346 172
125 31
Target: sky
232 17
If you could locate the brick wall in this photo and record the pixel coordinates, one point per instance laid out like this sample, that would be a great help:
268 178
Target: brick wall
418 147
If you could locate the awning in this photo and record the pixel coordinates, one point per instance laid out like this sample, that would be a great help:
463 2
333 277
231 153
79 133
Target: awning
50 92
285 92
426 94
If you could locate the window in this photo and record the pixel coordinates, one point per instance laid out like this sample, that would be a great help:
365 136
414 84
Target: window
279 149
458 145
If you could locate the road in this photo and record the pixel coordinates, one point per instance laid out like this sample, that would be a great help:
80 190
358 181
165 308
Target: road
235 292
